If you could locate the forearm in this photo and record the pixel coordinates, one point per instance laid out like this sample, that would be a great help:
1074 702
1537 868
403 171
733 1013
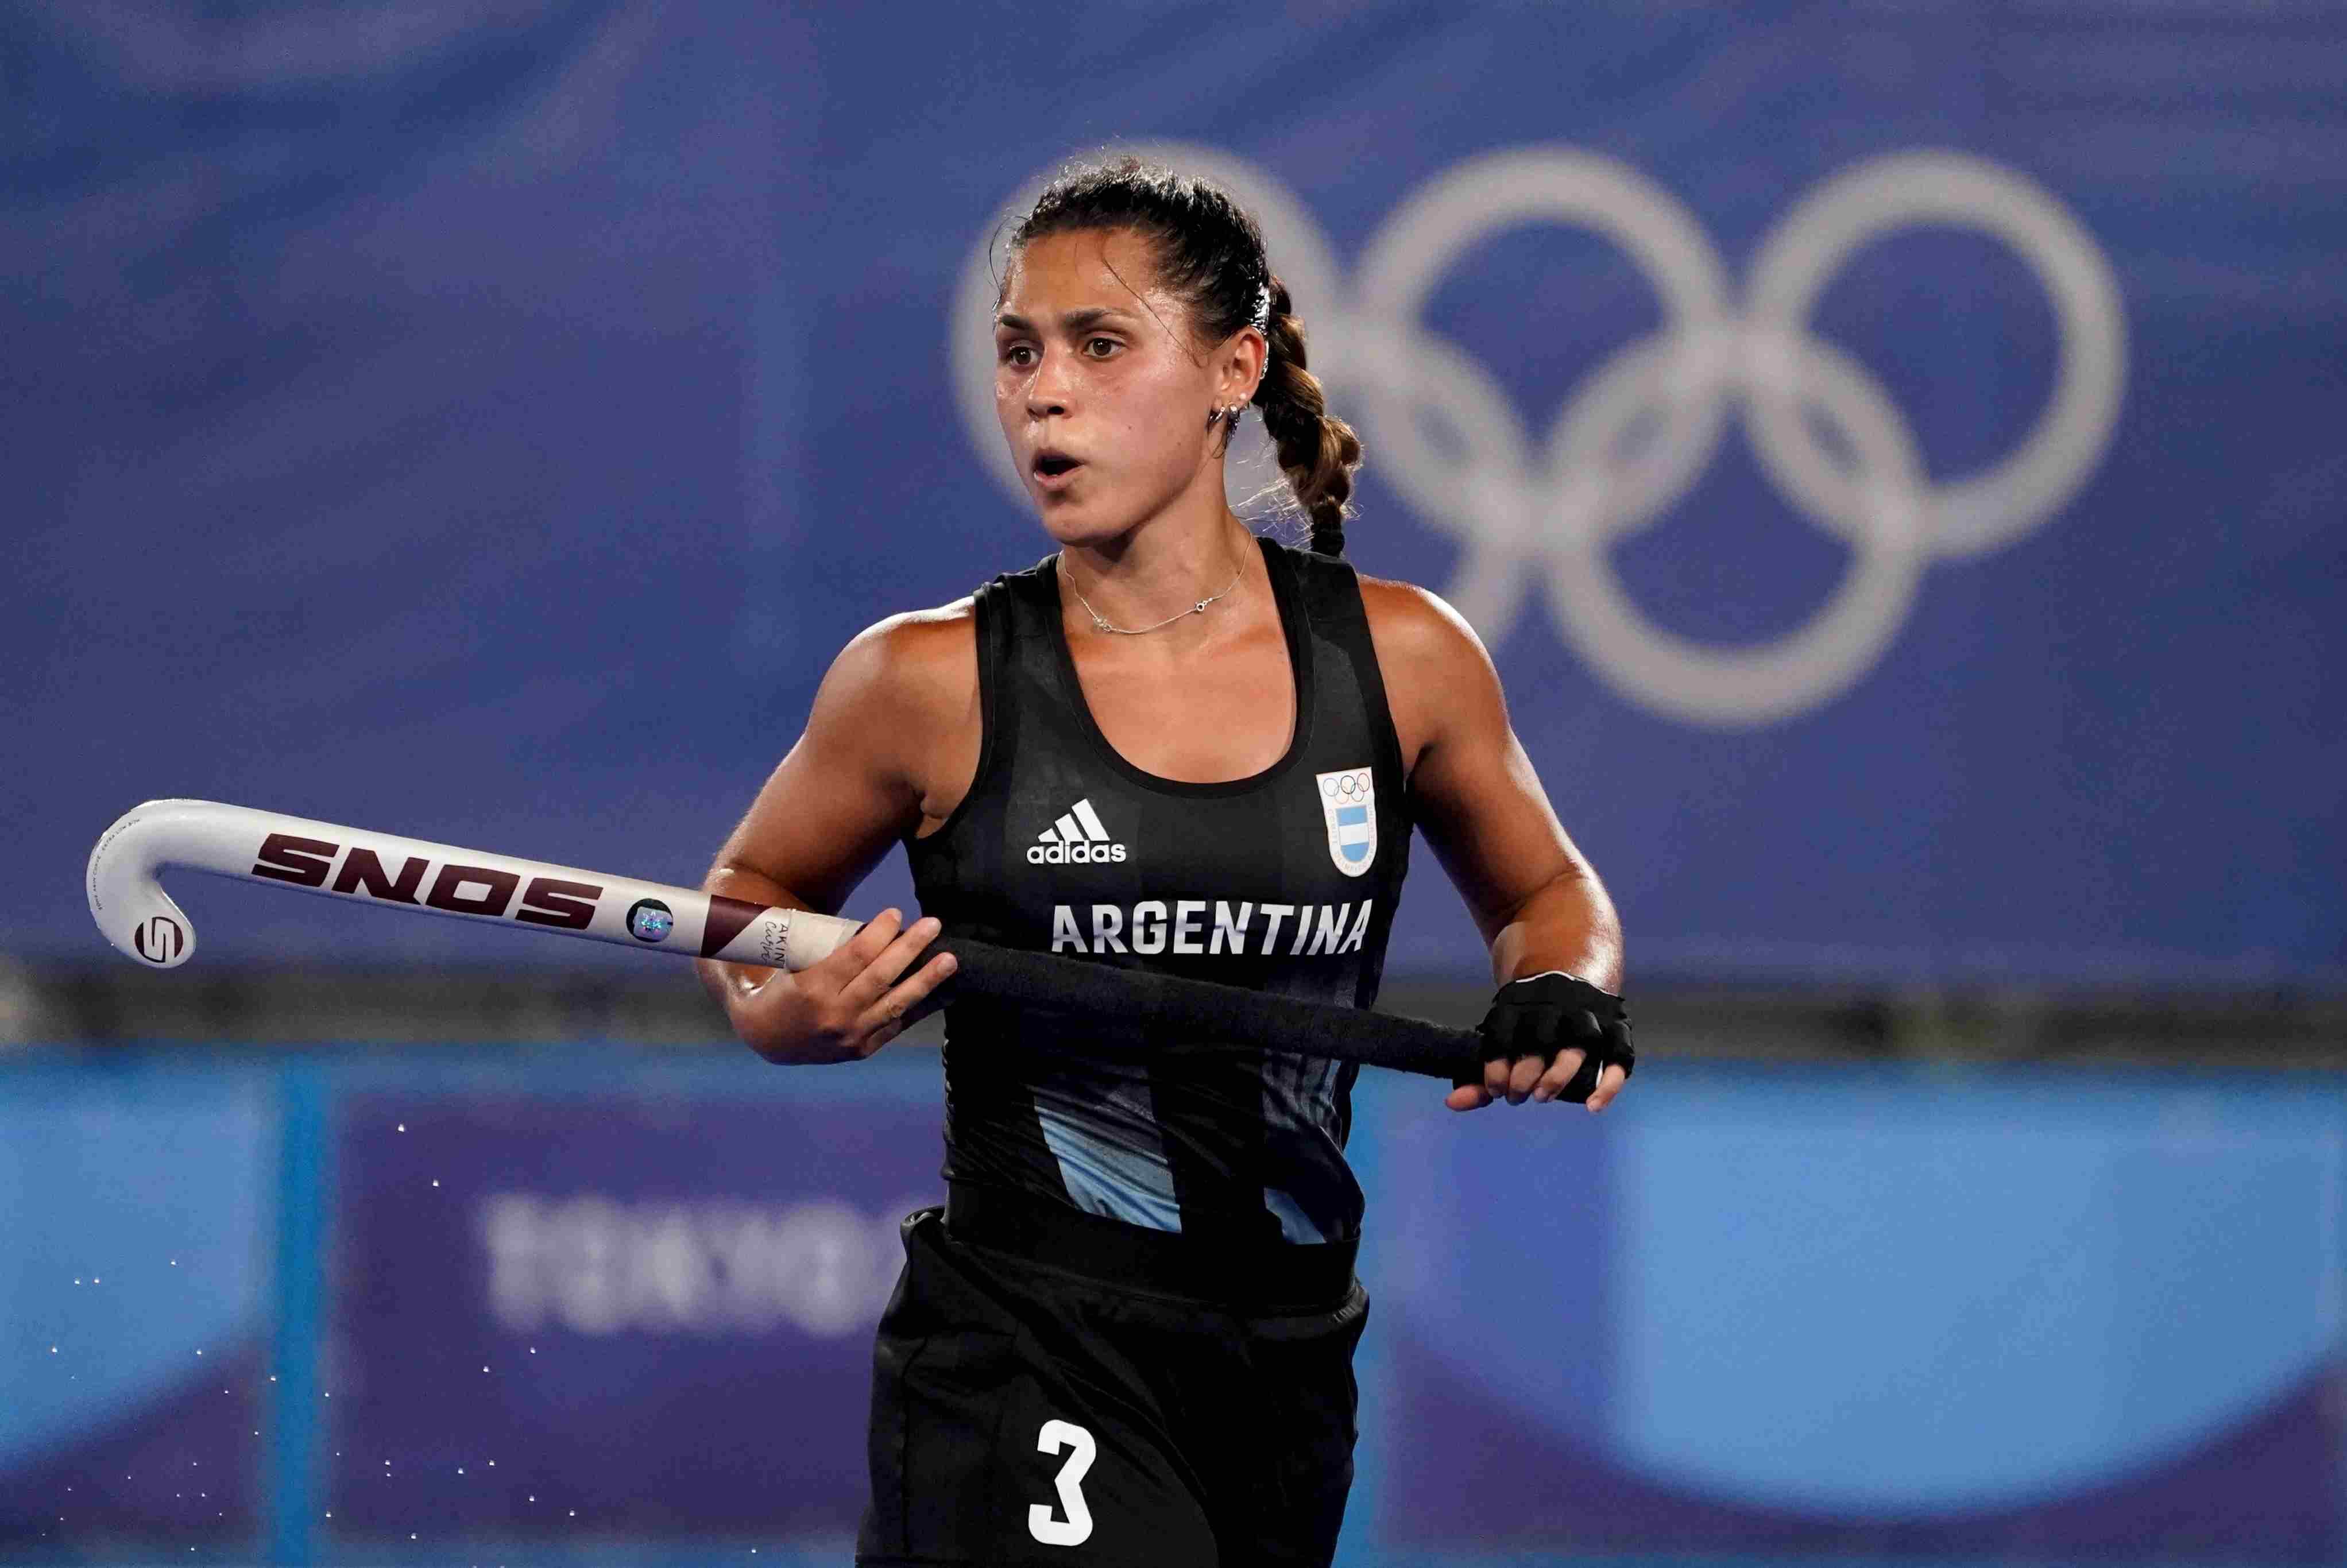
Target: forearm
731 984
1567 924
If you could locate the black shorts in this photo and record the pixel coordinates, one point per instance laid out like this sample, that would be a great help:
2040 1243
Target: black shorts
1026 1409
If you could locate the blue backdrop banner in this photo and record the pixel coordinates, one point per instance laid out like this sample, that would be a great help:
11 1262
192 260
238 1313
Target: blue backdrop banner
531 1305
542 1302
1891 454
1876 1314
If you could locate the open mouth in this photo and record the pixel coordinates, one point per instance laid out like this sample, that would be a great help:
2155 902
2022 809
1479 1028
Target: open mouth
1054 465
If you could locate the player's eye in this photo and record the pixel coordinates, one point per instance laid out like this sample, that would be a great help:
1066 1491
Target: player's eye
1012 354
1097 342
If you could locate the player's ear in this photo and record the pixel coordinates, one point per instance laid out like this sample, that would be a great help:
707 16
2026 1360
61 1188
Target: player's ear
1250 352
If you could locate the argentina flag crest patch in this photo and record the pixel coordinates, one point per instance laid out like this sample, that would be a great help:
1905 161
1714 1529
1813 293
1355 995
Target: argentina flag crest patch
1349 800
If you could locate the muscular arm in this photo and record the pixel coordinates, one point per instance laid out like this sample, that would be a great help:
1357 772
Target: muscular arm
890 727
1538 902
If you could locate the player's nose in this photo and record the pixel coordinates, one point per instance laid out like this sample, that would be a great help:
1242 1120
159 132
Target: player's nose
1048 393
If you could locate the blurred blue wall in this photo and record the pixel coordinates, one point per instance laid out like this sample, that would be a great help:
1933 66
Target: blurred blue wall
1892 452
577 1303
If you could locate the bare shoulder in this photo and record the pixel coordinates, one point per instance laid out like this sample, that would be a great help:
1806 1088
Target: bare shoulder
1436 673
919 665
1414 630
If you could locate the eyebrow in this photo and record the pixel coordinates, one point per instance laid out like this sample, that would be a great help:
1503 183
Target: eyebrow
1073 320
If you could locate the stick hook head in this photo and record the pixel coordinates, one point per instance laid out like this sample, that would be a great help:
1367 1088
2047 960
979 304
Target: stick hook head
129 904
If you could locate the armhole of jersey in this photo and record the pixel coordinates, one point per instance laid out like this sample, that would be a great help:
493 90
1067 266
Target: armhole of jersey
1348 615
1344 588
992 631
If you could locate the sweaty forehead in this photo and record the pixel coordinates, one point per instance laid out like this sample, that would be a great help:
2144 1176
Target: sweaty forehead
1086 270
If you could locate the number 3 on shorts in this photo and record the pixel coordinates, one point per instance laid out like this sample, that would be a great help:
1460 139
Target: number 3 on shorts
1077 1528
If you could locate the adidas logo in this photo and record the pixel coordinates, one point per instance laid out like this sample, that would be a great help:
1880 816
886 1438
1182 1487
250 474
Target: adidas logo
1076 838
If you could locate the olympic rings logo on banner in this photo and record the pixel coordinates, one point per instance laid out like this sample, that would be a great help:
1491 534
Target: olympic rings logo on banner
1545 513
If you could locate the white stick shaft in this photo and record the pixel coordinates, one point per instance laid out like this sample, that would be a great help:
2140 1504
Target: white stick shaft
394 873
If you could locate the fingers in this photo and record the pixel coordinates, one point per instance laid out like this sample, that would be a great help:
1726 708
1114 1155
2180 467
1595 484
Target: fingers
886 1018
1560 1073
1520 1078
1497 1072
1516 1082
867 963
860 998
873 997
1527 1080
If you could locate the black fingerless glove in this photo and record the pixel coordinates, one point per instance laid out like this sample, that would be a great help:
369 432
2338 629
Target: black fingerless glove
1541 1015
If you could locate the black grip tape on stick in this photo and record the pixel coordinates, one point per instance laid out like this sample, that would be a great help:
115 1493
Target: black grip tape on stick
1208 1011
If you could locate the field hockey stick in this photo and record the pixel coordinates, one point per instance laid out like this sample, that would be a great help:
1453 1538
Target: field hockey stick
391 872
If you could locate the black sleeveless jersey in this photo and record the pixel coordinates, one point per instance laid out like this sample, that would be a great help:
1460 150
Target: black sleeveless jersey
1284 882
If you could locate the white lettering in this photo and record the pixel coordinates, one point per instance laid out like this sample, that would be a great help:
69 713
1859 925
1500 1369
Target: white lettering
1181 925
736 1239
1057 854
1331 930
584 1248
672 1278
1277 913
1360 928
597 1267
821 1268
1189 915
1149 925
1107 921
509 1226
1077 1527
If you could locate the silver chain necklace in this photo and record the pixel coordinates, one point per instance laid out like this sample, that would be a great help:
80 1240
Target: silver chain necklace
1100 621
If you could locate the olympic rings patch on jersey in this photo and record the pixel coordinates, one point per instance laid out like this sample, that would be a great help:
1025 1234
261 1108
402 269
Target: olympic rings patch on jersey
1348 802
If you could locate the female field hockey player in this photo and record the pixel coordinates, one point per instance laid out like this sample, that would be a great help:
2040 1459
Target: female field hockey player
1127 1337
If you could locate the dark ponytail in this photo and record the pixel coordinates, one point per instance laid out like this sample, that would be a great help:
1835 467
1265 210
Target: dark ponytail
1317 451
1210 255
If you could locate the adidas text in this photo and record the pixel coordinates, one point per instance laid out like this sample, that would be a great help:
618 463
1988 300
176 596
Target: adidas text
1056 853
1078 838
